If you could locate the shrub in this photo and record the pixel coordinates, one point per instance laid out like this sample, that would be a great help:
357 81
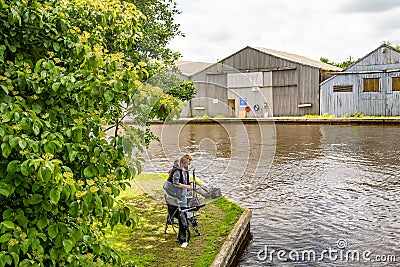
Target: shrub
358 114
65 71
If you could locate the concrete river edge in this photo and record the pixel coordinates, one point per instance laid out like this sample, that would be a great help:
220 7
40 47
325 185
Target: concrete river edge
380 120
236 242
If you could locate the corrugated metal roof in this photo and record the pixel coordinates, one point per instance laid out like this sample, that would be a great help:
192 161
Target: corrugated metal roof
190 68
298 59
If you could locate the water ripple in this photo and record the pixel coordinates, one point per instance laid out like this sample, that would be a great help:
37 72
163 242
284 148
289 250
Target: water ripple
327 183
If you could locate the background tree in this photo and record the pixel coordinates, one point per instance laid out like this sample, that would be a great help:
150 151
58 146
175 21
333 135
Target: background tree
343 65
67 68
172 86
159 28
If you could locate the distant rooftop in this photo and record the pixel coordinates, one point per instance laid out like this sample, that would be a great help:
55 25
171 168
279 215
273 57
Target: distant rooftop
298 59
189 68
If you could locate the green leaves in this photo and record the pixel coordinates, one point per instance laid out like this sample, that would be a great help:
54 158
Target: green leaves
74 209
59 174
115 218
8 224
25 169
12 167
22 220
4 238
109 95
55 86
56 46
78 136
35 199
37 108
42 223
5 150
6 189
14 17
68 245
14 141
52 231
90 171
22 143
55 195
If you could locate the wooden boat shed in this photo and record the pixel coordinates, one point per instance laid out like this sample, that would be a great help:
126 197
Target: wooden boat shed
258 82
370 86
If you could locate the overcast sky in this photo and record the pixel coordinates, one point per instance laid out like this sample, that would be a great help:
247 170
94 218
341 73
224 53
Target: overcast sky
334 29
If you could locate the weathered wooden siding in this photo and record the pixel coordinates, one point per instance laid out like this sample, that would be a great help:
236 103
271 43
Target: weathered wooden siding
252 59
296 87
211 99
299 84
268 106
283 84
308 90
338 104
383 58
285 92
209 88
382 63
394 104
382 103
214 74
372 103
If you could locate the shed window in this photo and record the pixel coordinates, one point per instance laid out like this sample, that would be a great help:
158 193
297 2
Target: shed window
371 84
342 88
396 84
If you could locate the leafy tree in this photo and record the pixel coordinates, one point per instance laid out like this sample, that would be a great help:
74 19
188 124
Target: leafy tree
159 28
173 85
66 70
174 88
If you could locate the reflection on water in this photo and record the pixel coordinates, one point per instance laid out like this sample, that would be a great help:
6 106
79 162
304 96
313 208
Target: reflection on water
225 155
326 183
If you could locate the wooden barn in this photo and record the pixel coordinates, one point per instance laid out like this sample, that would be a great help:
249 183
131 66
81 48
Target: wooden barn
258 82
370 86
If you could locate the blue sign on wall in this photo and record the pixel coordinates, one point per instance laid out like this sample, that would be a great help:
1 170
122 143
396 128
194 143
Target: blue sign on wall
243 102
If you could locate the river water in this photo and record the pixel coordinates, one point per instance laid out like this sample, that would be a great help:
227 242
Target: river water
321 195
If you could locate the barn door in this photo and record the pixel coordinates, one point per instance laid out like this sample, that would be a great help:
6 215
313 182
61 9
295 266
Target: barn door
232 107
372 95
392 85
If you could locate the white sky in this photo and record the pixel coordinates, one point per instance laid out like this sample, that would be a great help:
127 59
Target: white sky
334 29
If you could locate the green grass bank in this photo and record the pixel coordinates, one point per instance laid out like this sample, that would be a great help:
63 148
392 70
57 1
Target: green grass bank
147 245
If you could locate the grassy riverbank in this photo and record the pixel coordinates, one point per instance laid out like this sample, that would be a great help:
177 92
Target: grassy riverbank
147 245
